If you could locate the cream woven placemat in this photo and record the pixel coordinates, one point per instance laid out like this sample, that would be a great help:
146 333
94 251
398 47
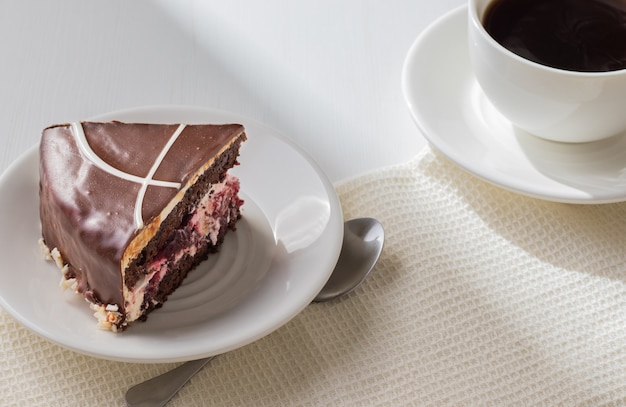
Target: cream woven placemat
481 297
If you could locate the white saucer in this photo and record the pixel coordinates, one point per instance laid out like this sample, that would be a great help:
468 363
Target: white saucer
285 248
453 114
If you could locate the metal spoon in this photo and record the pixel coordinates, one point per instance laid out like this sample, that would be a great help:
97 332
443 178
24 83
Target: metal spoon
362 244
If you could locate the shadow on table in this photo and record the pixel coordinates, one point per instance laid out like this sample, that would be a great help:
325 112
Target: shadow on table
580 237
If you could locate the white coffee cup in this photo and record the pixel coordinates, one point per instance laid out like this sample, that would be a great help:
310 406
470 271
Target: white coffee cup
550 103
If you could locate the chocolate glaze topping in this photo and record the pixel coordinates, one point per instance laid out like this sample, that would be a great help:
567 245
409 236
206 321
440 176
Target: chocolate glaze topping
88 211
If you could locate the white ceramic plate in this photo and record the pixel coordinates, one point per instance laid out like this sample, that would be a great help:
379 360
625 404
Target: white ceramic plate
285 247
453 114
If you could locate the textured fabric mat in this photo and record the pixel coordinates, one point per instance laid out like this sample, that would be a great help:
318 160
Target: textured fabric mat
481 297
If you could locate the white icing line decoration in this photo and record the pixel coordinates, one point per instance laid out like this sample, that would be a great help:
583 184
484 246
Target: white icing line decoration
148 179
85 149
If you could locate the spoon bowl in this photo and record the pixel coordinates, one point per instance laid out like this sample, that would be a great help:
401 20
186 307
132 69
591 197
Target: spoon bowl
362 245
363 240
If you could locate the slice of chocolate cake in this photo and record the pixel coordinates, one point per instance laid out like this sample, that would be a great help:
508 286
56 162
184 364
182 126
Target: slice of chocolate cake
128 209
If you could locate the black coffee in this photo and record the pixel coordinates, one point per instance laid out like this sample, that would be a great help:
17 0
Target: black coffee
577 35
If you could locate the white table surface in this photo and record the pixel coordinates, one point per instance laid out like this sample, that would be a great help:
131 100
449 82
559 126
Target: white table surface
325 73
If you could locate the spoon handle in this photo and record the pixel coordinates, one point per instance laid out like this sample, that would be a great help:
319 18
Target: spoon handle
160 389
